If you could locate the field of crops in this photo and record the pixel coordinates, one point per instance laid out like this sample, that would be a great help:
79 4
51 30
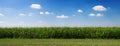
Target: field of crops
62 32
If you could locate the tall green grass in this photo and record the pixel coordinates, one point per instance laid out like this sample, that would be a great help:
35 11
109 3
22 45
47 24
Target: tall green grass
61 32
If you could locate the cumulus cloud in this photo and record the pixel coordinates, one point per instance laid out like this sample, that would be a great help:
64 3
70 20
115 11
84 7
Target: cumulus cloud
45 13
36 6
99 8
2 14
98 14
22 14
41 13
91 14
62 17
80 11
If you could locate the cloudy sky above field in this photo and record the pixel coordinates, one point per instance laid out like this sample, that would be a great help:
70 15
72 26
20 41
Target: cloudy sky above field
59 13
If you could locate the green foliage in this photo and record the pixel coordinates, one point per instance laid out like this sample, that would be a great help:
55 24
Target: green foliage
62 32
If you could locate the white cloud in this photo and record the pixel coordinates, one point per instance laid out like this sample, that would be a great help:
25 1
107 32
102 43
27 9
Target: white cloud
91 14
62 17
36 6
47 13
41 13
98 14
80 11
22 14
99 8
2 14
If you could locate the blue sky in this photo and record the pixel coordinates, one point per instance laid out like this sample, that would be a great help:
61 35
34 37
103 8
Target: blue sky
38 13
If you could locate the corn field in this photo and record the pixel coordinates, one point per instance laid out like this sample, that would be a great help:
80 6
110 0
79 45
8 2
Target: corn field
62 32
